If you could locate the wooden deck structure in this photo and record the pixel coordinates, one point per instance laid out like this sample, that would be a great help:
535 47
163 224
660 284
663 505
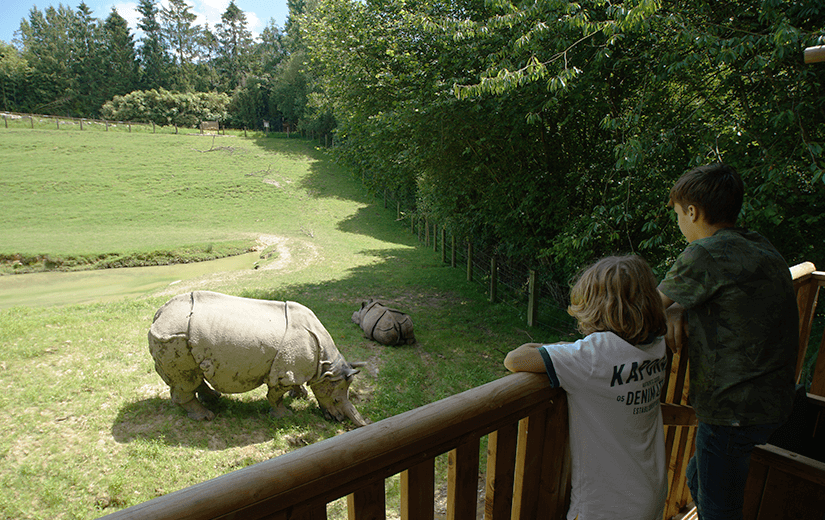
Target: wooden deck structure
528 468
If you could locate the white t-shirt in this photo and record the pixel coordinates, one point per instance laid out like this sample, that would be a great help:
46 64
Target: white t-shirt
617 441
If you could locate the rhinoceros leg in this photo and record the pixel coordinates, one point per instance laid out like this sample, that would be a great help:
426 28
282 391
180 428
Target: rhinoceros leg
178 369
206 392
275 396
298 392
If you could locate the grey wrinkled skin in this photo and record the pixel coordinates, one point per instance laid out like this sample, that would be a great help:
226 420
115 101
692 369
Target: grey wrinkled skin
383 324
237 344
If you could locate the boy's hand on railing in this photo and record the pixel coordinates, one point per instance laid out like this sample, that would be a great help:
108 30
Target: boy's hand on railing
677 331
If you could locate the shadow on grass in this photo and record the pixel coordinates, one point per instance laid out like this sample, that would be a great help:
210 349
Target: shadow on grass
237 423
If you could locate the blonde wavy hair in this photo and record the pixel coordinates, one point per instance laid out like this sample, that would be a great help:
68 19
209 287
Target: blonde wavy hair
618 294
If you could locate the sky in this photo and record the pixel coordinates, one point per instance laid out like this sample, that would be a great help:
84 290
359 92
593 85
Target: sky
258 12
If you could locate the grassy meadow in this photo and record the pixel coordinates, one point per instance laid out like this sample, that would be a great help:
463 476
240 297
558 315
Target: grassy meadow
86 425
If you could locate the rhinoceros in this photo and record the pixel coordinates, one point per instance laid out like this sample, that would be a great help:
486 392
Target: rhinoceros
237 344
384 325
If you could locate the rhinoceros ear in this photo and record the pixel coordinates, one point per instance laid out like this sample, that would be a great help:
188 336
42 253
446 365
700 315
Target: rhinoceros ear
350 371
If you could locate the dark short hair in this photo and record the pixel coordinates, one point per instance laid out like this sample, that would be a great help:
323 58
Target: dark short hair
716 189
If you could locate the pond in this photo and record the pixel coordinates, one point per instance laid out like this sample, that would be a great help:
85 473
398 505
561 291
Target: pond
59 288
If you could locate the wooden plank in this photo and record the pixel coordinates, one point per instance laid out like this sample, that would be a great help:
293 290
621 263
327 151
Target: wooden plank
806 295
678 415
679 495
818 380
792 463
368 503
531 432
462 481
815 54
554 491
791 496
754 489
418 491
501 461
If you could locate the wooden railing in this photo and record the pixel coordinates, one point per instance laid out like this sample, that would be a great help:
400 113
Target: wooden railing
528 465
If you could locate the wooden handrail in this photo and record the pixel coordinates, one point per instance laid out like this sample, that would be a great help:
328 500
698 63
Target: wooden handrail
528 467
309 478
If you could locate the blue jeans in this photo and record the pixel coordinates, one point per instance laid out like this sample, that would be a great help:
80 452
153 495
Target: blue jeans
717 472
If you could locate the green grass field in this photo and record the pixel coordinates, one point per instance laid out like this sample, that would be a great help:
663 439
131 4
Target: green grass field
86 424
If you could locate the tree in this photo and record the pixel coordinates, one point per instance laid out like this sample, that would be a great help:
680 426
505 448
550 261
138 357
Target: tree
154 63
47 50
122 73
14 79
235 42
181 37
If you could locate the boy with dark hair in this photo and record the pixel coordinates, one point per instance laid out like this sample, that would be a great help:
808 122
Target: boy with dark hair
736 294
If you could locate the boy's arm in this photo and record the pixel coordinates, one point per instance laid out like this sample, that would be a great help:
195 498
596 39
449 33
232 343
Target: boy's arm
525 358
676 323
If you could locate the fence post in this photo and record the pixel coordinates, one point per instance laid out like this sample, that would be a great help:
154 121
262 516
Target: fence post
81 123
153 127
469 261
427 231
493 280
398 210
5 121
58 122
31 120
452 251
107 124
443 244
532 290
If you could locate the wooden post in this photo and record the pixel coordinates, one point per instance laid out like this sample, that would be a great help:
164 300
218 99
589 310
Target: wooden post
398 210
58 122
462 481
426 231
5 121
153 127
31 119
493 280
815 54
107 124
417 491
81 124
129 124
531 302
469 261
443 245
452 251
367 502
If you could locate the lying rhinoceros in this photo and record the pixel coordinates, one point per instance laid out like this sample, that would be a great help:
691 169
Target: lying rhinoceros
384 325
238 344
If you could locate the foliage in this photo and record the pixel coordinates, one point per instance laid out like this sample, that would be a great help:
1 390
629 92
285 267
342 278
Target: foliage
163 107
554 130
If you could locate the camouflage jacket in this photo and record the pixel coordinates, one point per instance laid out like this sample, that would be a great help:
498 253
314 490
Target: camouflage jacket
742 324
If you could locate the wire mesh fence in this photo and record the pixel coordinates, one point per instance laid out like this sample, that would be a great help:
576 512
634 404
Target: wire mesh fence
529 289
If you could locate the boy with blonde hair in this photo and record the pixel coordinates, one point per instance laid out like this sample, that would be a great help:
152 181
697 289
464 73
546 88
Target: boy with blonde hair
735 292
613 378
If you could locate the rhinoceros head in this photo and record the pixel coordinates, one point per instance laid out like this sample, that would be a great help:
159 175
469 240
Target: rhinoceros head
332 392
358 315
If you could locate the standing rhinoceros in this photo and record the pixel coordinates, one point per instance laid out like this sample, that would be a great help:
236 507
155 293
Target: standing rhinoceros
238 344
384 325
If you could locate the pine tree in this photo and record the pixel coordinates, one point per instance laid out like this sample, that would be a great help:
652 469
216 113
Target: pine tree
154 63
122 75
